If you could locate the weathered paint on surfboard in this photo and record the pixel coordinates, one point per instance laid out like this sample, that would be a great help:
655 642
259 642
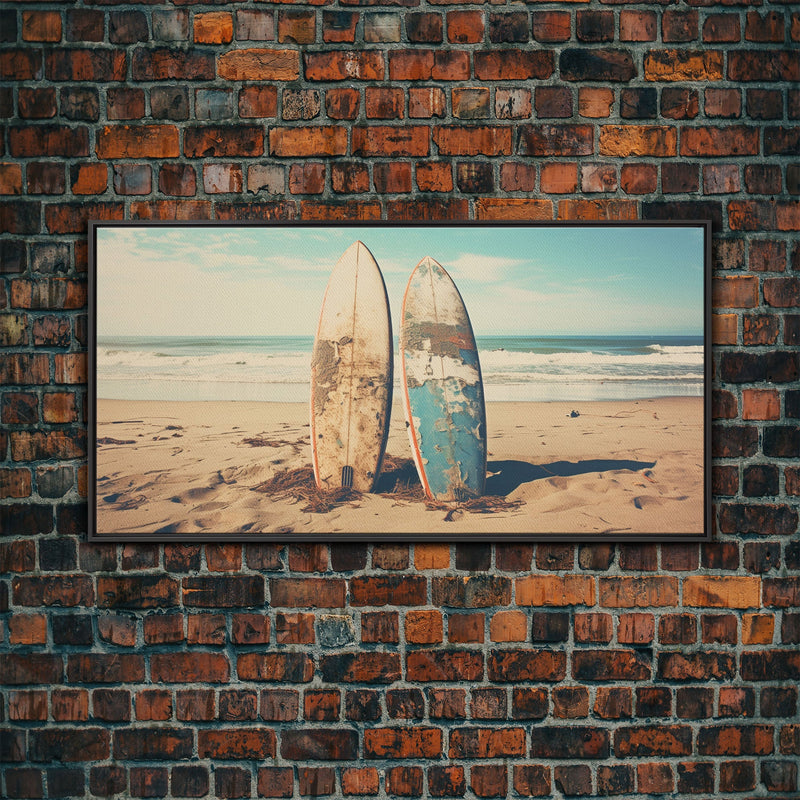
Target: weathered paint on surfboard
443 389
351 374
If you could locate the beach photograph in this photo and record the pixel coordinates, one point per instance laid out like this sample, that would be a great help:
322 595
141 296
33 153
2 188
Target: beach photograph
586 347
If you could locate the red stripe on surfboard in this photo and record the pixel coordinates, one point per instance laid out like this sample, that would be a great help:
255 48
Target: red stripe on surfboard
406 399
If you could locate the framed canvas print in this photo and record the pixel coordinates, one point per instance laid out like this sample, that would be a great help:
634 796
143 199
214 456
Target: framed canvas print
459 381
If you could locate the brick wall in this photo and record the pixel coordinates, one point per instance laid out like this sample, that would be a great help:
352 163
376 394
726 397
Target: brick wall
392 670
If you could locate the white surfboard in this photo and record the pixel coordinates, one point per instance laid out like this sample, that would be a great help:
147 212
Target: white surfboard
351 375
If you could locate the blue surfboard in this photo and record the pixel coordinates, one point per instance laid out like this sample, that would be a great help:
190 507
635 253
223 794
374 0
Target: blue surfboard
443 389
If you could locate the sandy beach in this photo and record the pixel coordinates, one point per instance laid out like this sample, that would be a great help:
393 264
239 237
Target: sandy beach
626 467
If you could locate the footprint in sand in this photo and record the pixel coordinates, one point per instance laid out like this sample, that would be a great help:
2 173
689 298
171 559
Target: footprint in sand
643 501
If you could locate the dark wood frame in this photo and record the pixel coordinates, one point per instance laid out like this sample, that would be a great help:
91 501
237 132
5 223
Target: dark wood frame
95 536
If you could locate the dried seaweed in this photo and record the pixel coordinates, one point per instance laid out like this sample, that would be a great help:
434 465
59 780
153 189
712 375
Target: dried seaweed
111 440
399 480
299 484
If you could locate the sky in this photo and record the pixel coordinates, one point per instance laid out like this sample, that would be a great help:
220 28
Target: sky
219 280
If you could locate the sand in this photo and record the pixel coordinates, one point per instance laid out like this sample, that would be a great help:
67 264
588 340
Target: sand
620 467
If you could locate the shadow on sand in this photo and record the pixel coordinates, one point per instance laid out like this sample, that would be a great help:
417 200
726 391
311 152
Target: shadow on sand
509 475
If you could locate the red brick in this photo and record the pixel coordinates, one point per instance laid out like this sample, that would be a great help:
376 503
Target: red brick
638 592
118 630
740 291
236 743
79 744
28 629
769 28
725 103
555 590
41 26
433 176
342 103
404 781
390 141
140 141
424 27
10 179
735 140
469 141
571 702
465 628
37 103
309 178
559 178
308 141
637 26
213 27
388 590
508 626
526 665
307 592
73 64
89 178
423 627
645 740
683 65
450 665
679 103
255 64
599 178
321 705
153 705
735 740
61 590
487 742
298 27
279 705
258 102
489 780
516 208
721 592
532 780
470 103
275 781
424 103
551 26
722 28
360 781
342 210
124 103
761 404
48 140
655 778
639 178
464 27
336 65
638 140
21 64
294 667
339 26
250 629
510 65
417 742
595 103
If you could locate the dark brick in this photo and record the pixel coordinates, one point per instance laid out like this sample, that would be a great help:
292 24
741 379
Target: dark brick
319 744
190 781
596 65
569 742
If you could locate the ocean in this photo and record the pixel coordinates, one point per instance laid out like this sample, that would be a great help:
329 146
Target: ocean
277 368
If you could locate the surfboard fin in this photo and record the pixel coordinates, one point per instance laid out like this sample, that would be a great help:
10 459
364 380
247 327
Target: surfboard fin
347 477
